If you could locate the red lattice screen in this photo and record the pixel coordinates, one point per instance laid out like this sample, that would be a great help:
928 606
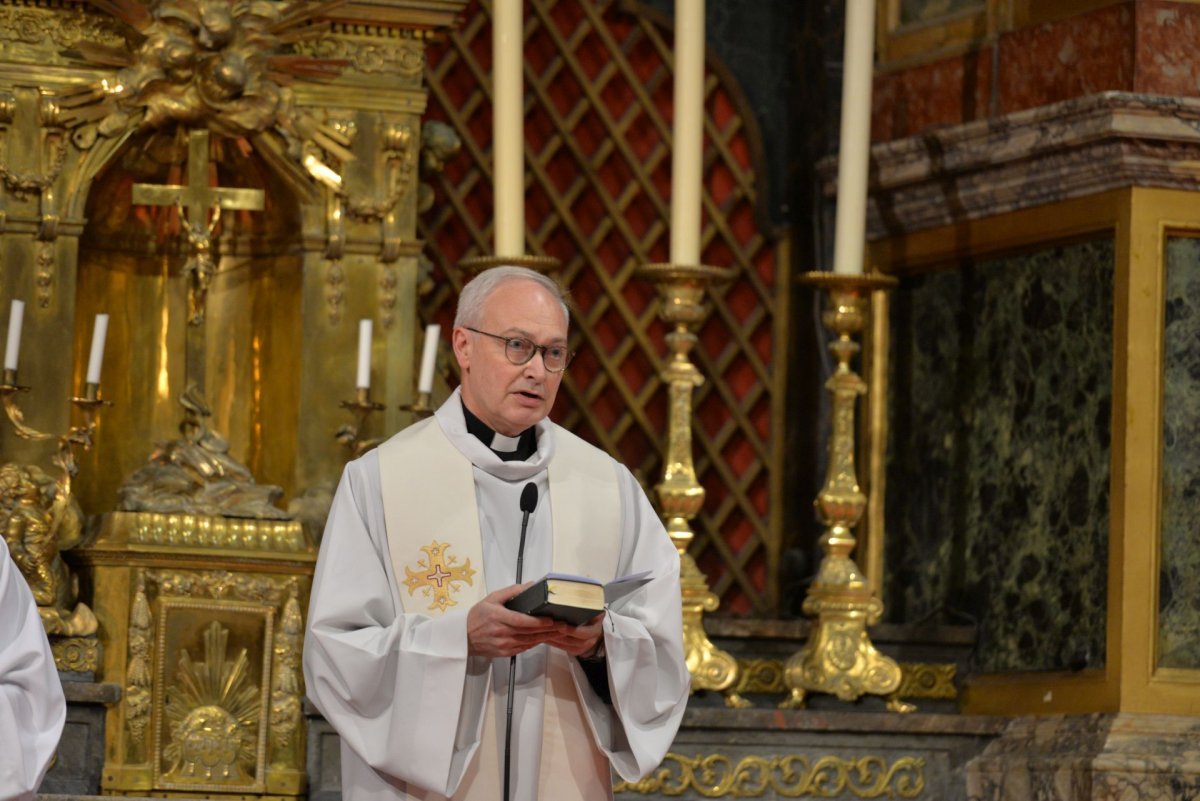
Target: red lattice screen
597 148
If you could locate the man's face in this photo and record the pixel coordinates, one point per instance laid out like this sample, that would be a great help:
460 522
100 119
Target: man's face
511 397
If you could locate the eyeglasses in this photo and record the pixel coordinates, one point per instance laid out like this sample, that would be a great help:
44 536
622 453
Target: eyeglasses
520 350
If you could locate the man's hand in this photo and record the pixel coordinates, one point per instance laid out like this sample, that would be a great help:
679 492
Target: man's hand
493 630
578 640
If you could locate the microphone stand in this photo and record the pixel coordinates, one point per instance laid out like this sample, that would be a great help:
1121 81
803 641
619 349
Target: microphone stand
526 509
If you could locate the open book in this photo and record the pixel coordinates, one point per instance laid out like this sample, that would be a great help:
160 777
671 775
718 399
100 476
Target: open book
573 599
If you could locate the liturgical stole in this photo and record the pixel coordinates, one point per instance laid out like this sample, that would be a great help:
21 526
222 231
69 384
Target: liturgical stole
433 534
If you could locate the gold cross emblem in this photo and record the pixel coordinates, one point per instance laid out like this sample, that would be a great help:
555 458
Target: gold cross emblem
438 575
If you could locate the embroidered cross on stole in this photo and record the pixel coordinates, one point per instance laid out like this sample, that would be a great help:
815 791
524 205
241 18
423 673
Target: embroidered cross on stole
433 534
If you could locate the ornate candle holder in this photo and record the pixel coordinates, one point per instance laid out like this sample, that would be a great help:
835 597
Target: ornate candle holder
422 407
76 436
839 658
680 495
350 435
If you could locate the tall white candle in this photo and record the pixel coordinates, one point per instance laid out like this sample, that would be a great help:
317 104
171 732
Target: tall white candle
687 158
96 357
364 355
428 358
508 126
12 350
855 146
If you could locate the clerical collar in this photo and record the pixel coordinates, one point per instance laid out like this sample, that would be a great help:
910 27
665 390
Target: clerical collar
509 449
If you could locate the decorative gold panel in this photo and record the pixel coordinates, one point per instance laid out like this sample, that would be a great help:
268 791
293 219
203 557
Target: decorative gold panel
719 776
598 143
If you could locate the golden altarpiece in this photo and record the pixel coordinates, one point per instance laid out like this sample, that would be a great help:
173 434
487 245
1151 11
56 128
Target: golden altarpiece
235 185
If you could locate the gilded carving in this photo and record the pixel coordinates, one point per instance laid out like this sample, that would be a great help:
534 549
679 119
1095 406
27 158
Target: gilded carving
760 676
918 679
137 673
404 57
718 776
212 716
40 519
439 142
220 584
285 687
76 654
216 65
52 32
196 475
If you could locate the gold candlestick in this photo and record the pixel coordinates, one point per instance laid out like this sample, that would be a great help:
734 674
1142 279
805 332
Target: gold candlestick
473 265
839 658
350 435
680 495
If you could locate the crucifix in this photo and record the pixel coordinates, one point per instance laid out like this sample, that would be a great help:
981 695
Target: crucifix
194 200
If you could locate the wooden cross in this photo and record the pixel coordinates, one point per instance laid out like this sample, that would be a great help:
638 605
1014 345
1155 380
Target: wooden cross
439 576
194 201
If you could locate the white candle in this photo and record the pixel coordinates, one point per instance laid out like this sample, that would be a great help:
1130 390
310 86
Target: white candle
855 146
508 126
428 358
96 357
687 157
12 351
364 355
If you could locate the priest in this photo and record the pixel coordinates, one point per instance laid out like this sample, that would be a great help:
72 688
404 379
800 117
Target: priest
32 709
409 644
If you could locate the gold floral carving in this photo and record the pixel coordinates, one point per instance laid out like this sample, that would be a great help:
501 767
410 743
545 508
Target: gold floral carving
933 681
76 654
49 32
221 585
137 688
718 776
404 57
919 680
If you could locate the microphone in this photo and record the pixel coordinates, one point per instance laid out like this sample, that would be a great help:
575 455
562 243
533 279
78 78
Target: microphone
529 499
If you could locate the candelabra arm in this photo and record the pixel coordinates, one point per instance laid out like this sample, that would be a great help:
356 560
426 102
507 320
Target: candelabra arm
351 435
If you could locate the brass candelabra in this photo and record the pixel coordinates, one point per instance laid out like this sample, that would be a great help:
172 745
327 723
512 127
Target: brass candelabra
351 435
76 436
839 658
680 494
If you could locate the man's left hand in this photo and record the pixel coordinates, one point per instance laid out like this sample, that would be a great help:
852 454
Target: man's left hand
578 640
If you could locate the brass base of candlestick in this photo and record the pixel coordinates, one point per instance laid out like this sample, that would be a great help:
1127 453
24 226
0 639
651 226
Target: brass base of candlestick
680 495
421 407
474 265
839 658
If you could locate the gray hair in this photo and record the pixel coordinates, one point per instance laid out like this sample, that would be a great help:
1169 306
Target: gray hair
481 287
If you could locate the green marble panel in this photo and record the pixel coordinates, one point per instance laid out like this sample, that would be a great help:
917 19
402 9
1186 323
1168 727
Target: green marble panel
998 454
1179 573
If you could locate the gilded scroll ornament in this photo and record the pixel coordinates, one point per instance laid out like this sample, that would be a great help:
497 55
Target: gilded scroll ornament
76 654
371 56
216 65
221 585
196 475
212 716
719 776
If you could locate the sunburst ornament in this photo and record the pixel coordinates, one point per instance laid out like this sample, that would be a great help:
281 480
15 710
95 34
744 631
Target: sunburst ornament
213 64
212 715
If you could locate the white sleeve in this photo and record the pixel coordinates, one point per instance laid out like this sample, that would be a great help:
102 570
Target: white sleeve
643 642
32 708
399 688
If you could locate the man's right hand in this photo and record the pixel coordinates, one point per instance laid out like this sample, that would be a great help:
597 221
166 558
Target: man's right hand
494 630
